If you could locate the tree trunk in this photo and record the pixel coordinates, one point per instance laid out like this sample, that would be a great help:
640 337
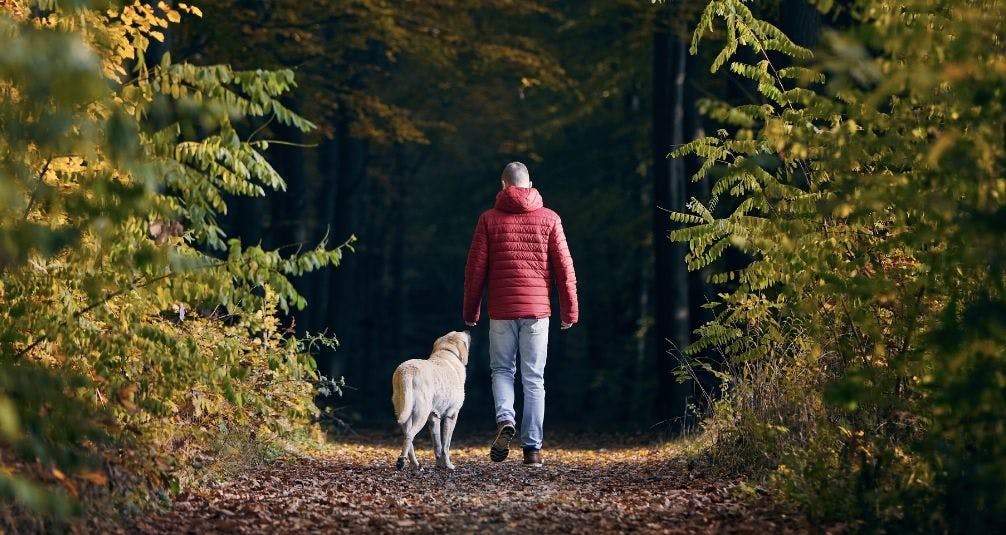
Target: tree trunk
288 228
801 22
328 169
670 182
399 221
249 219
344 312
699 292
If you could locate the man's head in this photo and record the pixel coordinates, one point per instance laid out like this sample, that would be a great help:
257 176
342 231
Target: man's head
515 174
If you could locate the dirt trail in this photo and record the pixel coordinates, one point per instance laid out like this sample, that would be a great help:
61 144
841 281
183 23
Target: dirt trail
598 486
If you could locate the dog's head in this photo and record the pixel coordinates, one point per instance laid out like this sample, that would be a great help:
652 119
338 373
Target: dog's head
456 342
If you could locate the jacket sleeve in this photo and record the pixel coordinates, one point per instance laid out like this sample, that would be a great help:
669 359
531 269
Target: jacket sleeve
476 269
562 267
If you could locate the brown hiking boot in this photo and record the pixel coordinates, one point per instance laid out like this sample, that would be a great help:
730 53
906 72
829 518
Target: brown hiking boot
532 457
501 444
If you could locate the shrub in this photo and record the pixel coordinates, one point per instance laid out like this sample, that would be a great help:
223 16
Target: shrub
130 320
864 339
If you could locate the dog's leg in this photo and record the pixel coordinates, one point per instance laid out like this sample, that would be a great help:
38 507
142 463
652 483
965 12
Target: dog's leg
438 449
406 444
449 421
415 427
412 457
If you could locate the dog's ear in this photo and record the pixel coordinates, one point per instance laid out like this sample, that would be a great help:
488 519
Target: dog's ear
440 341
460 342
463 337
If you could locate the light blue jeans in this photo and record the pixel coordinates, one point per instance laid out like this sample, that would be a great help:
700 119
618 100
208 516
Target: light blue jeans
529 338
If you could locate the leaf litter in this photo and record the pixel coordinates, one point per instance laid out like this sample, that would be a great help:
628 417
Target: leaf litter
599 485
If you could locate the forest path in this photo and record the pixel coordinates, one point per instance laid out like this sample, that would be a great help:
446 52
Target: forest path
612 484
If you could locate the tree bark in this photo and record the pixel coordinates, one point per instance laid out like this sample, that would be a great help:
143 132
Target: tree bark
344 312
699 292
801 22
329 156
288 210
670 186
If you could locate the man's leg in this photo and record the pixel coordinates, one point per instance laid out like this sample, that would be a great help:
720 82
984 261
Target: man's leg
533 341
503 366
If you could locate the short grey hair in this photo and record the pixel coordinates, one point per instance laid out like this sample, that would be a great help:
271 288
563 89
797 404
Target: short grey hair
515 174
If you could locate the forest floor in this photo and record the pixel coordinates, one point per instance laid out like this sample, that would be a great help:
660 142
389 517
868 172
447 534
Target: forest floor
599 485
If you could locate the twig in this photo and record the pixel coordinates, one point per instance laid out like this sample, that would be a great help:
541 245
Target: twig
260 128
34 191
855 331
94 305
912 320
124 291
290 143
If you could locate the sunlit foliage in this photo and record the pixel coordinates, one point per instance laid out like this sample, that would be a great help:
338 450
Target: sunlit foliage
866 336
128 315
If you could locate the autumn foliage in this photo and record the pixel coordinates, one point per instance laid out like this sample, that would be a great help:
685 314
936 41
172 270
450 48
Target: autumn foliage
129 319
863 338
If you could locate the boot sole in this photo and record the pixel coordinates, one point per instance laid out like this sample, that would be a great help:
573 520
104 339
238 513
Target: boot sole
501 445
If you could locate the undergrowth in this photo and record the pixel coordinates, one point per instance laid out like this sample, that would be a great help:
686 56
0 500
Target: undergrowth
862 355
138 342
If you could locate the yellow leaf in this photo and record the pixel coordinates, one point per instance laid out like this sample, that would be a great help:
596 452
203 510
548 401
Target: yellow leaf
173 16
95 476
71 487
157 35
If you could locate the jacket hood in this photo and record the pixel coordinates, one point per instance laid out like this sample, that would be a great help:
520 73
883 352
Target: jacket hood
518 200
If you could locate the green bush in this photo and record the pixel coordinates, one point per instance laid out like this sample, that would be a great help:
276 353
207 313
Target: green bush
132 329
864 339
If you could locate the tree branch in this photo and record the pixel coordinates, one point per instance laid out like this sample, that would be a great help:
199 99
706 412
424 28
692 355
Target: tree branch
34 191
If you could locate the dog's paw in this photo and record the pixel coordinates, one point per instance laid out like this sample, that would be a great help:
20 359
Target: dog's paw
400 464
449 466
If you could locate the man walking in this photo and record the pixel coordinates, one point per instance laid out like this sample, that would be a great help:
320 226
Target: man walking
517 248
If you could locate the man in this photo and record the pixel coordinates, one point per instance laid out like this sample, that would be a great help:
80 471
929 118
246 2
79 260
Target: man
517 248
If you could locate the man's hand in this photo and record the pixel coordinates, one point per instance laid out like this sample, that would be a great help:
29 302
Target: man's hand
470 324
565 326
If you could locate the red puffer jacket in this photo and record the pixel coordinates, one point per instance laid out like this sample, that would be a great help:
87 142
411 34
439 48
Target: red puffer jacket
518 246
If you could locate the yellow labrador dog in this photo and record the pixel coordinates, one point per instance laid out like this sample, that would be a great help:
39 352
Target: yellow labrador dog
432 390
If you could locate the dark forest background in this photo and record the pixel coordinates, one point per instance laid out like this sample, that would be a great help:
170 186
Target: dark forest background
419 107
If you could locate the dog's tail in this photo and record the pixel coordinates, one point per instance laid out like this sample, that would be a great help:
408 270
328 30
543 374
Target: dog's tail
402 392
